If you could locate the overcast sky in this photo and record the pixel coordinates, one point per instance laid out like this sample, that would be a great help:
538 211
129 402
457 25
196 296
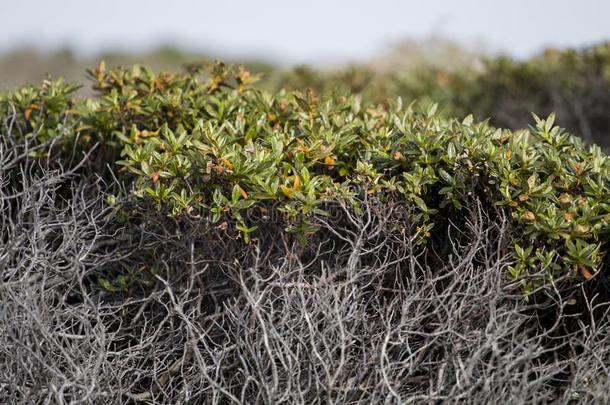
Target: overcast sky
297 32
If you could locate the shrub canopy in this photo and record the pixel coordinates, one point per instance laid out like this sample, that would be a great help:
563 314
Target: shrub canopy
573 83
204 145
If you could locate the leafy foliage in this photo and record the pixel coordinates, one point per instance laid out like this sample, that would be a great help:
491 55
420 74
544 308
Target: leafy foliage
204 145
47 111
573 83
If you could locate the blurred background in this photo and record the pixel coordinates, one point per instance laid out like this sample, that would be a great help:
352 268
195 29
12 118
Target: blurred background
498 60
60 37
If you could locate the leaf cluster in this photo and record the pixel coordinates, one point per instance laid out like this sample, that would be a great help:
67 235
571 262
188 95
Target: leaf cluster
205 145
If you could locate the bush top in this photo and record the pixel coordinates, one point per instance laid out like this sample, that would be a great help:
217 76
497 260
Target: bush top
205 144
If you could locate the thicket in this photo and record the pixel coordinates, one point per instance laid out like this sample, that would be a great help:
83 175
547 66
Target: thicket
184 237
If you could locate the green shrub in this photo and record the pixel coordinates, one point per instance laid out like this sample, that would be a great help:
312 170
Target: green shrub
573 83
47 111
205 145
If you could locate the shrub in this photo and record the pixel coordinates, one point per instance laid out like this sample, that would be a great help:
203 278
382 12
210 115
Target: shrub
39 116
403 225
224 152
573 83
234 152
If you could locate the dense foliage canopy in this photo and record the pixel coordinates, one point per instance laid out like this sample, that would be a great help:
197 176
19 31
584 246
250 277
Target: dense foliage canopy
204 241
219 150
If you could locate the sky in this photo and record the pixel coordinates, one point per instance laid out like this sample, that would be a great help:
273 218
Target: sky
292 32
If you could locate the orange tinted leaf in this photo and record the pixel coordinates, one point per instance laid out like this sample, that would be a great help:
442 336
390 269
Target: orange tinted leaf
585 273
286 190
243 192
297 183
226 163
28 111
